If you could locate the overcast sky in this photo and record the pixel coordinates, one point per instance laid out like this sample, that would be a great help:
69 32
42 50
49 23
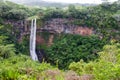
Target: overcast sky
79 1
65 1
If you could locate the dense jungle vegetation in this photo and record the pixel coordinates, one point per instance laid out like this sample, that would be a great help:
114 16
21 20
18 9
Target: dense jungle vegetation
97 55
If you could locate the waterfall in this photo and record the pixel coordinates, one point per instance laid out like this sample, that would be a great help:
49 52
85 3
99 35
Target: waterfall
33 41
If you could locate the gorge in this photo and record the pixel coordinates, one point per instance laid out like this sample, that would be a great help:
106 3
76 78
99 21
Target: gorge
51 43
44 35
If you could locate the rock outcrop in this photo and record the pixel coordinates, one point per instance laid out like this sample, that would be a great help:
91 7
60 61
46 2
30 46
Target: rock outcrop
64 26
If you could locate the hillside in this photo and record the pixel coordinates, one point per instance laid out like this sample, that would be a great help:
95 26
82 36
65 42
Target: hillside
42 3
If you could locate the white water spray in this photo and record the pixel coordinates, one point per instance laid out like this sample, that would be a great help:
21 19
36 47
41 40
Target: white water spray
33 41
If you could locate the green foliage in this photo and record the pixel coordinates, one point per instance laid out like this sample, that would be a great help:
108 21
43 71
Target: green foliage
69 48
53 13
21 67
7 30
7 51
23 46
8 36
105 68
82 67
1 21
3 39
17 14
16 66
103 18
14 11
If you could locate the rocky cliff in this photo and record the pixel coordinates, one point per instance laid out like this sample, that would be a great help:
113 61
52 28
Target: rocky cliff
53 26
64 26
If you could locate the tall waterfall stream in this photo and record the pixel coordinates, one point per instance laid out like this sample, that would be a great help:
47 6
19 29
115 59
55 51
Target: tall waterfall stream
33 41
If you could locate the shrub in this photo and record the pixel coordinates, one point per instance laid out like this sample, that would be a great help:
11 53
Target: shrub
21 67
7 51
107 67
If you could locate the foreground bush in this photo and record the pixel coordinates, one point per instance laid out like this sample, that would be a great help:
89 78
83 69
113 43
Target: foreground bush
21 67
107 67
6 50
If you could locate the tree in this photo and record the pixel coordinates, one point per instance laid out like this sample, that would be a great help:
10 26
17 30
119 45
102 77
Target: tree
71 48
17 14
105 68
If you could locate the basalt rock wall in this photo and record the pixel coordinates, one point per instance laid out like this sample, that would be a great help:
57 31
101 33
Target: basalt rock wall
53 26
65 26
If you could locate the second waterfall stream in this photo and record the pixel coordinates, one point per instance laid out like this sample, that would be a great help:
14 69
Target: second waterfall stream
33 41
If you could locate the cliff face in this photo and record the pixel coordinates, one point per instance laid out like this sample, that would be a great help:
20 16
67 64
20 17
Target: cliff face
64 26
54 26
19 27
57 25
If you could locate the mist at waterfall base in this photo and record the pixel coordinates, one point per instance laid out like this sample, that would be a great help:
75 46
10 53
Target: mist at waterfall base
33 41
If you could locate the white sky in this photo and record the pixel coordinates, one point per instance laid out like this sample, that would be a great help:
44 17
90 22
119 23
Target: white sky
79 1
